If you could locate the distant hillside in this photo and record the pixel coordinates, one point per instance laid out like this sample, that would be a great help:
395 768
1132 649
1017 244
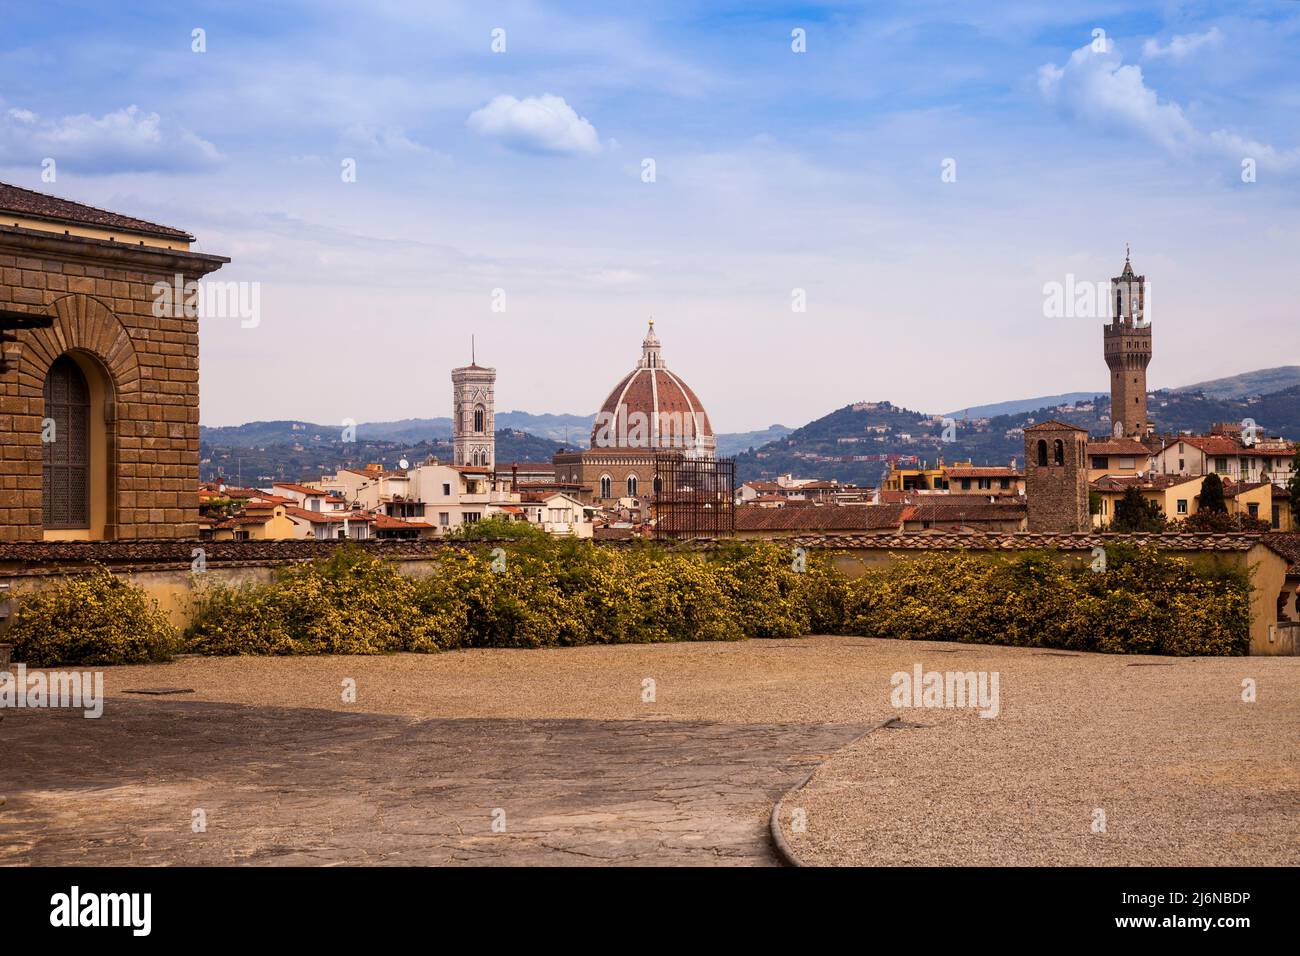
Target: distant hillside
553 427
575 429
854 443
1263 381
733 443
1022 405
308 459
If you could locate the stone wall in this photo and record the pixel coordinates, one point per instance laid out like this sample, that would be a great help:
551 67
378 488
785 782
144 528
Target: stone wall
1056 495
165 569
100 295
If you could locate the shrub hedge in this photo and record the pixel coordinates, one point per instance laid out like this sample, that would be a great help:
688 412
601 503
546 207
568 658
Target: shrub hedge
92 618
1144 602
542 592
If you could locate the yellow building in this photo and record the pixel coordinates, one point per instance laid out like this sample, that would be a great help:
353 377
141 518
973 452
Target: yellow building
959 477
257 522
1282 516
1179 497
1117 457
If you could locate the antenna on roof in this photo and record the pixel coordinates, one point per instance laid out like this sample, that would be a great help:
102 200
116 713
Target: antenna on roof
472 359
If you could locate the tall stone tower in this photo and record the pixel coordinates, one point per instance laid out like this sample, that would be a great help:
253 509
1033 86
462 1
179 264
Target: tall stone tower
1128 353
1056 477
473 404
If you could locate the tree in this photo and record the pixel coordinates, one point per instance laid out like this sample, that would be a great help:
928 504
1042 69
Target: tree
498 527
1221 522
1212 495
1133 512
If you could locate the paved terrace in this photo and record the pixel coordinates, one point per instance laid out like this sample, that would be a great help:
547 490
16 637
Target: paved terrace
586 771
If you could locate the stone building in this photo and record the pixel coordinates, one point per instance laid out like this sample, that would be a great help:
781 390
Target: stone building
473 416
99 393
650 415
1127 342
1056 477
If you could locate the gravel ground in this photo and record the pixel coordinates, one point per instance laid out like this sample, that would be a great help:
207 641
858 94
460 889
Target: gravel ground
1162 753
1183 769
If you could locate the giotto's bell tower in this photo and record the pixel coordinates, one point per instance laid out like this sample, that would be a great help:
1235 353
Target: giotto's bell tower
473 403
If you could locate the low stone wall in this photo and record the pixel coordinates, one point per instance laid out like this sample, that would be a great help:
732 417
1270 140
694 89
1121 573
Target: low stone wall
167 569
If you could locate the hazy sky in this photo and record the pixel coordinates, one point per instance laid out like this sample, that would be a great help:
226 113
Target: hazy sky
774 171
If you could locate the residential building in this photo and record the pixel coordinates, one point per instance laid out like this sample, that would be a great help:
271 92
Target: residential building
1226 454
1179 497
1118 457
959 477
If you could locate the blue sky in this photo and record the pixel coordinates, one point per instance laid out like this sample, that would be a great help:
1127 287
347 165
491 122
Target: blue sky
774 171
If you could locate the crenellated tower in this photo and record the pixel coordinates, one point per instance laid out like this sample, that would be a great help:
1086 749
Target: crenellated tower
1128 353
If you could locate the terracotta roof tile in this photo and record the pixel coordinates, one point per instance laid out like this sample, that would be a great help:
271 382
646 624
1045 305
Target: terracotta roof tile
828 518
26 202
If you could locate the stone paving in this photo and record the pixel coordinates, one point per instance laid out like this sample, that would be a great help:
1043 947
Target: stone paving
588 768
308 787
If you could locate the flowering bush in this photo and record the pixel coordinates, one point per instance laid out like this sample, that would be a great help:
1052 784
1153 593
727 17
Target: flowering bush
538 592
1143 602
350 603
94 618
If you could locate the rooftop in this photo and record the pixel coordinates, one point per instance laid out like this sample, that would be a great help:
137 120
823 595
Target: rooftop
34 205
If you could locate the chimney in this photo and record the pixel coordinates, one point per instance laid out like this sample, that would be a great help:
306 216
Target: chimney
514 476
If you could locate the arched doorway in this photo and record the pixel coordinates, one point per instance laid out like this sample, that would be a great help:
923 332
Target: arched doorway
65 445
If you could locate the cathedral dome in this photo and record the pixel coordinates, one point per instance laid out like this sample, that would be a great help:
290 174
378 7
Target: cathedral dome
653 409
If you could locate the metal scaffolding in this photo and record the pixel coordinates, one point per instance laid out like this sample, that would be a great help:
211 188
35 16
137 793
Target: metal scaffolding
695 498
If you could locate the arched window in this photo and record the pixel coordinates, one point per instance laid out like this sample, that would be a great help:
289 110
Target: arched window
1058 452
480 416
605 490
1119 304
631 486
658 485
1042 452
66 480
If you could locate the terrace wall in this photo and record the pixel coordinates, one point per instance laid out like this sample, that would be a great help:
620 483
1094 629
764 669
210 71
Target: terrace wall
164 569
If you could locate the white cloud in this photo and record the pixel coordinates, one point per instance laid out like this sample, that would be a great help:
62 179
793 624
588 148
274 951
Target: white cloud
125 140
385 141
545 124
1182 45
1100 90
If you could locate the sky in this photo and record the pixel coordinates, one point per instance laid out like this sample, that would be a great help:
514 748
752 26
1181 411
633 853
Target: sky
818 203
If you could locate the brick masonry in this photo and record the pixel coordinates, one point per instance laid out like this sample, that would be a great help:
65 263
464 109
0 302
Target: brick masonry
100 294
1057 494
588 467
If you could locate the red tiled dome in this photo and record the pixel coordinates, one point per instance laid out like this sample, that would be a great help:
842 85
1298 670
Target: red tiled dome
651 408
